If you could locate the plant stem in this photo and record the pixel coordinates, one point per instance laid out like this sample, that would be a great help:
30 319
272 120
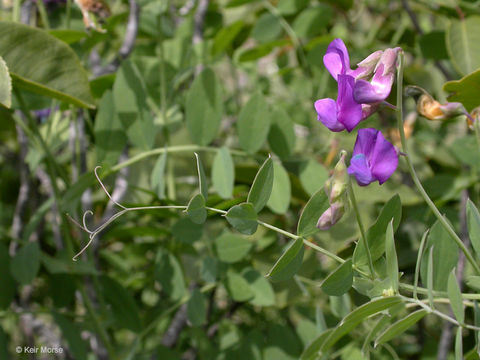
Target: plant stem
353 200
414 176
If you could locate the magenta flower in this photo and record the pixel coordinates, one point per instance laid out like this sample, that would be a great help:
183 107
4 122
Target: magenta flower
374 158
378 89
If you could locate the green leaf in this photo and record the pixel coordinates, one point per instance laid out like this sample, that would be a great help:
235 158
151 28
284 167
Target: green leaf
266 28
262 289
169 274
465 90
313 176
40 63
311 351
316 206
340 280
430 276
474 282
209 269
197 308
26 263
356 317
463 44
223 173
281 136
281 191
5 85
290 7
253 123
473 222
400 326
238 287
157 178
186 231
459 345
376 233
243 218
433 45
129 97
224 38
123 305
196 209
68 36
202 178
262 186
444 257
312 21
391 256
231 248
110 138
71 333
289 263
62 264
7 284
455 297
204 107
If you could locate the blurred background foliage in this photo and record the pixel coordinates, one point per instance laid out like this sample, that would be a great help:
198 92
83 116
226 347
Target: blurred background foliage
235 81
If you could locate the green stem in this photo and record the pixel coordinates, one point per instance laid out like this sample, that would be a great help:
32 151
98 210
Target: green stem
414 176
353 200
43 14
68 14
16 10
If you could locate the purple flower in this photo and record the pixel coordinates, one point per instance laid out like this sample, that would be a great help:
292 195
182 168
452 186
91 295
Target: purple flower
374 158
378 89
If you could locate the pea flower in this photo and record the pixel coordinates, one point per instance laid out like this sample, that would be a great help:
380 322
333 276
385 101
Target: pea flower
374 158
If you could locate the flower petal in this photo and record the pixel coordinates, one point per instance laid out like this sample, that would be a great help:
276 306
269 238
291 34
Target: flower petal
365 142
327 114
359 168
336 59
383 160
349 111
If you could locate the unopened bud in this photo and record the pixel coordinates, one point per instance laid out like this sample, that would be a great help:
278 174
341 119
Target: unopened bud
433 110
337 183
367 66
388 60
331 216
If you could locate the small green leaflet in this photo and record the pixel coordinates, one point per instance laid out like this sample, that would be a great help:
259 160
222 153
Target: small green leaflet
196 209
340 280
318 203
243 218
223 173
262 186
391 256
289 263
400 326
157 179
455 296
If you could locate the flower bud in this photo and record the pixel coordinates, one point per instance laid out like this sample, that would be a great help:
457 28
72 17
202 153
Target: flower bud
388 61
433 110
337 183
331 216
367 66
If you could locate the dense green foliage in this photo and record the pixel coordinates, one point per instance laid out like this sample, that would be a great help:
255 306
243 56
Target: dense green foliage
180 143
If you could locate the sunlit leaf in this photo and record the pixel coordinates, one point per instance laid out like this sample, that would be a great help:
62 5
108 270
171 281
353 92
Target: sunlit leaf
279 200
232 248
463 43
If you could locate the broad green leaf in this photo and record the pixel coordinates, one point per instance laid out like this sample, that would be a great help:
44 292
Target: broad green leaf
313 176
262 289
243 218
204 107
400 326
391 257
267 28
232 248
356 317
202 178
473 222
129 97
253 123
459 344
186 231
455 297
474 282
289 263
312 21
40 63
72 334
25 264
430 276
7 284
281 136
196 209
62 264
463 44
238 287
311 351
281 191
5 85
224 38
340 280
123 305
433 45
110 138
376 233
290 7
316 206
68 36
340 306
157 178
209 269
197 308
465 90
223 173
445 257
169 274
262 186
